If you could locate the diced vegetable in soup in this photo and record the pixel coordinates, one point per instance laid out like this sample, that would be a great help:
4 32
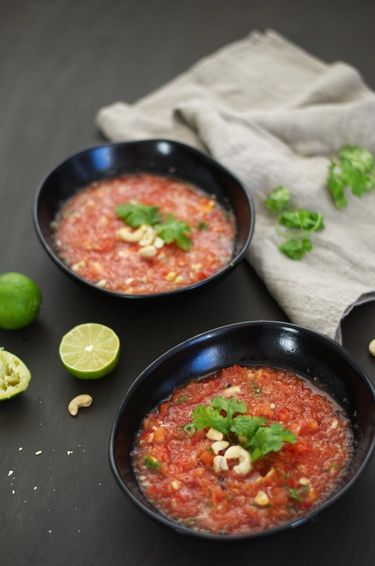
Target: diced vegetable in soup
242 451
144 234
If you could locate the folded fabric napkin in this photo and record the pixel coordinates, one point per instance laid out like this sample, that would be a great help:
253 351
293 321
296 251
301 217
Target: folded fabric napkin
273 114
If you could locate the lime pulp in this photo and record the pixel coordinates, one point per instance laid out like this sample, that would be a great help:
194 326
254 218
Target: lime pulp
14 375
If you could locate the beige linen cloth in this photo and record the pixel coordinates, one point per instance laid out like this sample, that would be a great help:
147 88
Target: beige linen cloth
273 114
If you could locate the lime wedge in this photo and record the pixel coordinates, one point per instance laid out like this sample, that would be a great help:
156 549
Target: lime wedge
14 375
90 351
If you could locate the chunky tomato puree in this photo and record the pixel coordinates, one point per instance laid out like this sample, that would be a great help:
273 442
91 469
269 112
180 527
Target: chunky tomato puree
88 241
174 464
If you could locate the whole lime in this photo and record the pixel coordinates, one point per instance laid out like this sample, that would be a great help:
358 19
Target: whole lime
20 300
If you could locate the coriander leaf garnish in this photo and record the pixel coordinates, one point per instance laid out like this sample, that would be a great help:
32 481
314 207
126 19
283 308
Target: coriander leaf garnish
202 226
168 229
294 494
172 230
246 426
278 199
296 248
135 214
230 406
254 387
253 433
354 168
208 417
152 463
189 428
182 399
269 439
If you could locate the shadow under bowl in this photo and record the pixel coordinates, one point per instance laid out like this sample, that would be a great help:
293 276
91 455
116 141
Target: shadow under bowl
281 345
155 156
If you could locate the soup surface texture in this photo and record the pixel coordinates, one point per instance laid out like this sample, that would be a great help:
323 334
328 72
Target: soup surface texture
274 446
100 243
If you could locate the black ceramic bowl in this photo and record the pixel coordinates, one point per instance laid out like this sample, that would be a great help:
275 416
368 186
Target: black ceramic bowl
161 157
277 344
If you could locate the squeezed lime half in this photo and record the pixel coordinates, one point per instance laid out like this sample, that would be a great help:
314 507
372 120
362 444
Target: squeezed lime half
90 351
14 375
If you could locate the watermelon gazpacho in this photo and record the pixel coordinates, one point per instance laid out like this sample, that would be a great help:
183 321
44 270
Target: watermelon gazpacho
244 450
144 234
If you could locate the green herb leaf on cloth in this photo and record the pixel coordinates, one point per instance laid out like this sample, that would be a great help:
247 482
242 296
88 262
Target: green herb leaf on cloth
355 169
296 248
302 219
278 199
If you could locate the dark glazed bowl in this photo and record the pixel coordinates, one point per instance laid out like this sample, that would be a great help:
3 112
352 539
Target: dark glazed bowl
277 344
162 157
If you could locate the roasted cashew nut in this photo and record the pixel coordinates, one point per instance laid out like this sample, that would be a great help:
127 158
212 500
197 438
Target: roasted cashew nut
148 236
219 445
78 402
213 434
220 463
147 252
131 236
242 455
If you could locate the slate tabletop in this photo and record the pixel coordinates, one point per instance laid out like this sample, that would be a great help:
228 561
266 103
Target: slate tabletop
60 62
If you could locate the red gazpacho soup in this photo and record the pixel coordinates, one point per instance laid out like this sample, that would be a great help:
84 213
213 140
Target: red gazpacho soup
144 234
242 451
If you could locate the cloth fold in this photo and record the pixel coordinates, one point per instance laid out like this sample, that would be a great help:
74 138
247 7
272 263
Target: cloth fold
273 114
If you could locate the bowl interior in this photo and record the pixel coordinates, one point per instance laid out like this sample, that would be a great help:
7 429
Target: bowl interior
161 157
260 343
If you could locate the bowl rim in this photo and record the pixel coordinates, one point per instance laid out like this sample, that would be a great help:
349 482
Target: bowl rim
201 337
235 260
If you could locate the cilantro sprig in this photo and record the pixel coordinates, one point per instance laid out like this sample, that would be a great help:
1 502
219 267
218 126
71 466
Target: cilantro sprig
172 230
354 168
253 433
168 229
211 416
294 225
278 199
135 214
301 219
296 248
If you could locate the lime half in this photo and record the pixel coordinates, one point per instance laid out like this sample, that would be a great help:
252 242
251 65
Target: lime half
90 351
14 376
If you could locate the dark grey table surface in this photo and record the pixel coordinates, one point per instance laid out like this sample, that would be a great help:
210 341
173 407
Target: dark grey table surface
59 63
